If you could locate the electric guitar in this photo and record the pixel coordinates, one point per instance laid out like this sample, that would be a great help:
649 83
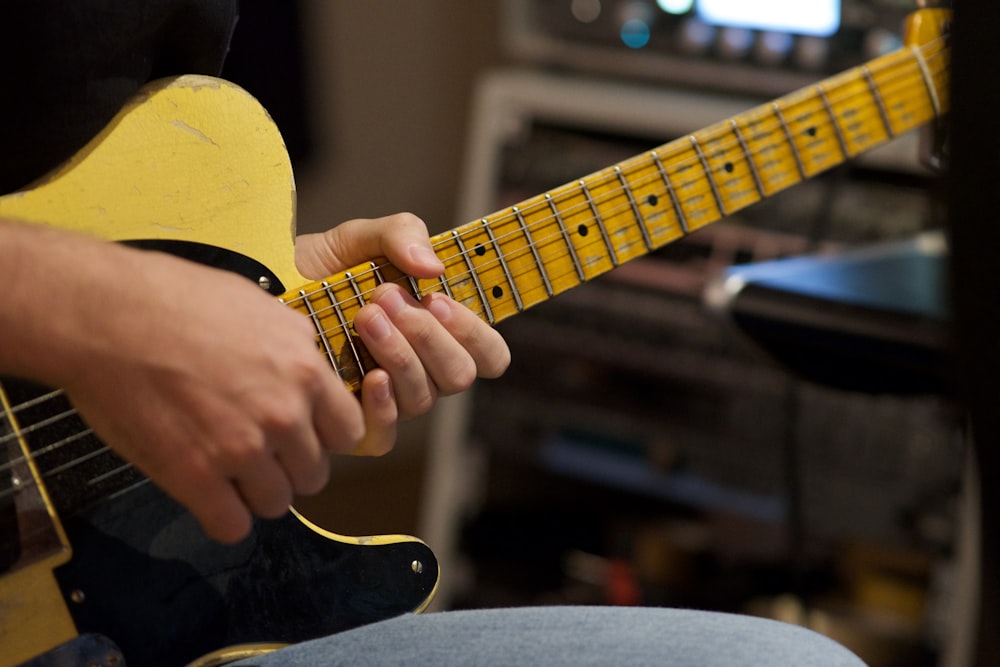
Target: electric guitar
90 550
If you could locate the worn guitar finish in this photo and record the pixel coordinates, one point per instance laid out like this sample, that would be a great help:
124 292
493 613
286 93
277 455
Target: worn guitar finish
90 546
194 167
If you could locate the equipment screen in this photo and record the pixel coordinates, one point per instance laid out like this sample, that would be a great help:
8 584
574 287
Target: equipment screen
803 17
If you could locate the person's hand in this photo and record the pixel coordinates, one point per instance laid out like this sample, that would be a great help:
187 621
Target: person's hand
211 387
425 348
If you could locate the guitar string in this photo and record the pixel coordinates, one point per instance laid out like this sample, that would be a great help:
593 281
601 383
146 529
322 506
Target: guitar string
606 176
622 190
556 237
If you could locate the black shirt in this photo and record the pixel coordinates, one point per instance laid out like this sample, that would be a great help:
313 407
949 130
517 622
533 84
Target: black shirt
66 67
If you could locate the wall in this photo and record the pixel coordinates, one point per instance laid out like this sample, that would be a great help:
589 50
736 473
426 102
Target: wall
389 84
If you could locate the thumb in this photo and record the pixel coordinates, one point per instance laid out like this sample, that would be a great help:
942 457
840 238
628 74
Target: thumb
401 238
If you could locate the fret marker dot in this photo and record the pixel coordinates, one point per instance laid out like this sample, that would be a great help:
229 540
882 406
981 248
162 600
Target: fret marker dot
582 230
812 132
729 167
480 249
652 200
497 292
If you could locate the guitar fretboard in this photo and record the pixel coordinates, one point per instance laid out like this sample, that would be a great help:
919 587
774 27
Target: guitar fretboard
515 258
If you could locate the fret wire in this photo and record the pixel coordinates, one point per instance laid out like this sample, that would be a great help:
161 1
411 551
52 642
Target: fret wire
357 290
475 276
674 199
534 249
414 287
377 272
748 157
708 172
791 140
345 326
925 72
635 208
599 220
319 327
443 280
566 237
883 113
841 139
503 264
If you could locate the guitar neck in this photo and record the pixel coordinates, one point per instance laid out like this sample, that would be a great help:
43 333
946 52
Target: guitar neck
515 258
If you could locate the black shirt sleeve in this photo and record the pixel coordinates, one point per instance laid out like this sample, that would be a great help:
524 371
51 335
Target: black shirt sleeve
67 67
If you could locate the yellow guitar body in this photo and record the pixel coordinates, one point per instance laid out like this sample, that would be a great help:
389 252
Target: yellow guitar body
192 159
174 165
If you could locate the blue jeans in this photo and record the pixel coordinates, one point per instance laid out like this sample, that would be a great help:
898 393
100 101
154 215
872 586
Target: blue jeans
571 637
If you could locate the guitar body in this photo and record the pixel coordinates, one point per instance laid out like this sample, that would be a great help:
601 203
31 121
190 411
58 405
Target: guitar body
193 166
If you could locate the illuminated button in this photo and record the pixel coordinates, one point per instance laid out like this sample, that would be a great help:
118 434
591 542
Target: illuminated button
735 43
696 37
636 20
773 47
811 52
635 33
677 7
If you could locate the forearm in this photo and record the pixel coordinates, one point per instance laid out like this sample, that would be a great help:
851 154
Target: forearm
52 281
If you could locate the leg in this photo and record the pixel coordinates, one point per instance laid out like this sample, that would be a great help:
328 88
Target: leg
569 636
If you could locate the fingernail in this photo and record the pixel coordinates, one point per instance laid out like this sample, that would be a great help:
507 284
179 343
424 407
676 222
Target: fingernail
378 327
440 309
383 391
391 301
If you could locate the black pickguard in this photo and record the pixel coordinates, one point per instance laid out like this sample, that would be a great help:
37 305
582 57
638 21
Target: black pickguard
165 594
144 574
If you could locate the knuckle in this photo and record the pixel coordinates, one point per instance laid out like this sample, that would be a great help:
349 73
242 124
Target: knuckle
273 504
460 378
410 220
241 450
421 404
281 417
317 477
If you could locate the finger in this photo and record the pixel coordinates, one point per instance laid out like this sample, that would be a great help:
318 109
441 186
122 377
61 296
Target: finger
222 513
443 357
482 342
414 388
304 461
381 414
264 487
400 238
337 416
212 499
